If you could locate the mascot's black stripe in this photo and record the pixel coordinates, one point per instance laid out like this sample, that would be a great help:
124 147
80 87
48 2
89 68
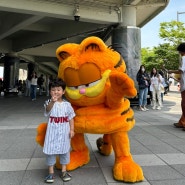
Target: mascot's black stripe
119 63
130 119
124 112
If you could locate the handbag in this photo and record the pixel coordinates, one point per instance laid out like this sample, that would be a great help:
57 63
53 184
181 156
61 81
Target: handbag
161 87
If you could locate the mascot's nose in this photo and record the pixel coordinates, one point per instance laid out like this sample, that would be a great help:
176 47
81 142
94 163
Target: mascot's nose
82 91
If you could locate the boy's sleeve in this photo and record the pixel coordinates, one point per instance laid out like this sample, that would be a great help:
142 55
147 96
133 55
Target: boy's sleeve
71 112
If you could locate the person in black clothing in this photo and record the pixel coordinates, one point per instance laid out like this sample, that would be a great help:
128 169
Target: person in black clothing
40 84
143 82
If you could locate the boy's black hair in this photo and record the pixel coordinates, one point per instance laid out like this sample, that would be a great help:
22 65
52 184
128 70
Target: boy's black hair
57 83
181 47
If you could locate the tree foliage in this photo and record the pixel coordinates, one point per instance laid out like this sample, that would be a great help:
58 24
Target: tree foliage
173 33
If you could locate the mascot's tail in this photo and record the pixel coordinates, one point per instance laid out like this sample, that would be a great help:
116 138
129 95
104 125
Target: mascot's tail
41 132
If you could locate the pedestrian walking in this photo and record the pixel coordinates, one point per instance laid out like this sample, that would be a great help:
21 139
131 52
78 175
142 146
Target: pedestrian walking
33 86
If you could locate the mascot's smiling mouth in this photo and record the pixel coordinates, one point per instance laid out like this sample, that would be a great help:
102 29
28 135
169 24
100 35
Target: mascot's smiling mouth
90 90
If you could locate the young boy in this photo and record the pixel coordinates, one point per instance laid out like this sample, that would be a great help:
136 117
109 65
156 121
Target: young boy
60 130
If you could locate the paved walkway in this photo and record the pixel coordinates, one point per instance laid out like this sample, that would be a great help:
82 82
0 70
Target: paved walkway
155 144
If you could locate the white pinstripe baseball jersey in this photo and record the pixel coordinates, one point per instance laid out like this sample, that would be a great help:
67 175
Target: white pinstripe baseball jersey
57 139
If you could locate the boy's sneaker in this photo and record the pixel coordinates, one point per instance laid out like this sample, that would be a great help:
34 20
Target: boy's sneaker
49 178
66 176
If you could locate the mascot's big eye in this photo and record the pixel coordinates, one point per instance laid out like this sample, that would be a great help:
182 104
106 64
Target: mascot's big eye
87 73
84 86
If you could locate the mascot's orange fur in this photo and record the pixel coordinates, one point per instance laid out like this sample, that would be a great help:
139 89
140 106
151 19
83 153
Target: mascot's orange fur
97 87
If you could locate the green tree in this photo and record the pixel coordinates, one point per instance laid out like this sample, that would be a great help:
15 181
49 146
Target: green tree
173 33
167 56
148 58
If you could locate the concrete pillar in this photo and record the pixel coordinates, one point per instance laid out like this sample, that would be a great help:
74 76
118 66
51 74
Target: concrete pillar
11 72
126 39
128 16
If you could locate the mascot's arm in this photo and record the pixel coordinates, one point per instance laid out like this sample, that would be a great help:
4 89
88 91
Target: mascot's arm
121 86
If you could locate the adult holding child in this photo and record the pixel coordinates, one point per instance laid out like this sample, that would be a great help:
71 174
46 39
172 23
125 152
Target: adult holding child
181 71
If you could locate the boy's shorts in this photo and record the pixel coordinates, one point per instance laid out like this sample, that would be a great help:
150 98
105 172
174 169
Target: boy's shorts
64 159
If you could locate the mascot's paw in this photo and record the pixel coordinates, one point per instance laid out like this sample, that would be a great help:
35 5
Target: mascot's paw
103 147
41 132
99 143
128 171
122 85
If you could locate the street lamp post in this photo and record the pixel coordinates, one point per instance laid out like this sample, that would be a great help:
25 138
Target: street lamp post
178 15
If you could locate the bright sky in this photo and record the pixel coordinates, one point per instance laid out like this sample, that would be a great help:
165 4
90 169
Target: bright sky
150 32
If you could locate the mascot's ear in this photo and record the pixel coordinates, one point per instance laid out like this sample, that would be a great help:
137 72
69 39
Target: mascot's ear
92 44
65 51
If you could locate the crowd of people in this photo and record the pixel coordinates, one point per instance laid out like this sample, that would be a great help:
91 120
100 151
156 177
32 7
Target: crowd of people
34 82
32 86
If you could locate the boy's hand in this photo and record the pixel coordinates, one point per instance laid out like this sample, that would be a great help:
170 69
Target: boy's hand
54 98
72 133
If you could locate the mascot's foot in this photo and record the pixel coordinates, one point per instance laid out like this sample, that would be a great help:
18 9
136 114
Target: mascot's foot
128 171
77 159
103 147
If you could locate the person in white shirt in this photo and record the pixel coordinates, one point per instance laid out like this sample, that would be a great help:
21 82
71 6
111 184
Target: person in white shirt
33 86
155 87
181 70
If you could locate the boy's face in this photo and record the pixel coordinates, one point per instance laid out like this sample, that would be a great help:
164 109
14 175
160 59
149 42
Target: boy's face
56 92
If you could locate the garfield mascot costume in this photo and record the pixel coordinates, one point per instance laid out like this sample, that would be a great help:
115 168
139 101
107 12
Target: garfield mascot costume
98 88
